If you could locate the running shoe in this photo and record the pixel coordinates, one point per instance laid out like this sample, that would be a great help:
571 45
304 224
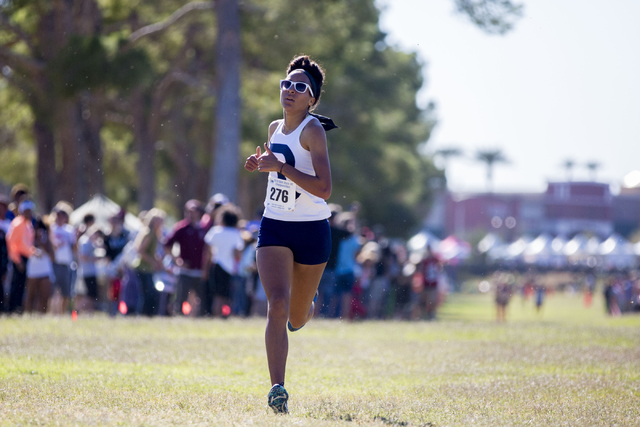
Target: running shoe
277 399
291 328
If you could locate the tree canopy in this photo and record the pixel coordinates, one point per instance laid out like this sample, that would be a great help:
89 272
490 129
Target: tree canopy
118 97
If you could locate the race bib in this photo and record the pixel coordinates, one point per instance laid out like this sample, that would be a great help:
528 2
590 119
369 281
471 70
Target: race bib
281 194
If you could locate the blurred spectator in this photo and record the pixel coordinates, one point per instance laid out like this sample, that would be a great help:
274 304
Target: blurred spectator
326 288
617 297
117 238
381 282
63 238
528 288
190 238
254 224
87 221
636 293
248 269
224 250
4 254
114 244
504 290
394 272
354 209
590 281
541 291
618 291
348 250
610 297
215 202
18 191
247 272
404 307
367 259
627 292
20 245
39 271
89 243
427 275
149 261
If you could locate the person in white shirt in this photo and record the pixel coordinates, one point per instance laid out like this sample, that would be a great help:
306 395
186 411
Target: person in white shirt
224 245
88 244
39 271
63 238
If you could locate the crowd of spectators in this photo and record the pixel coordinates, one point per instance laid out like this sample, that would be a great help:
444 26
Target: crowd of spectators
204 265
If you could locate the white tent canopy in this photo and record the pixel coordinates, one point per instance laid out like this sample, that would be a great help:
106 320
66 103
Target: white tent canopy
489 242
420 241
576 246
103 208
557 246
616 245
516 249
540 246
548 251
538 251
617 252
557 257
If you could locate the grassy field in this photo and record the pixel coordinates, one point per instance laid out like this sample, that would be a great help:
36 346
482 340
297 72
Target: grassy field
570 365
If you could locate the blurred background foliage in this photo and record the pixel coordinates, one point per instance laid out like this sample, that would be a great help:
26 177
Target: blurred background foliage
90 105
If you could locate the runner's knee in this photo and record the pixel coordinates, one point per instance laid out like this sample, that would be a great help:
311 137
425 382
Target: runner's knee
278 307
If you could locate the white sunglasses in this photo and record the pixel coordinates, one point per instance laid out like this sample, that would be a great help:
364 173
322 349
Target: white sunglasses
300 87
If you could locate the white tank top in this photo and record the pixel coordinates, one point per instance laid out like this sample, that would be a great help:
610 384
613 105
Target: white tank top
287 149
39 267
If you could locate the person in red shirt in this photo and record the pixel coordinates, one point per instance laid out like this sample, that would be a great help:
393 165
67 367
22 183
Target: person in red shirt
426 286
189 236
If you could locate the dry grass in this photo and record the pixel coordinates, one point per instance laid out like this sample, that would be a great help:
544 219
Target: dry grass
570 366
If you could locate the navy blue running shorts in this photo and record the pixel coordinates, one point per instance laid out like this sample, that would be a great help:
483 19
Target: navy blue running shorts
310 241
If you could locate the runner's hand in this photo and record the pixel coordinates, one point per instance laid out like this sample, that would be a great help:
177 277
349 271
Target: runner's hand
268 162
252 161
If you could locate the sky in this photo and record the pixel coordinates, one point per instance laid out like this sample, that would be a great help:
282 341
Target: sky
564 84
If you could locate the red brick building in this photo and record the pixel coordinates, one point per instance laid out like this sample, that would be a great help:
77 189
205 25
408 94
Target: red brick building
565 208
626 211
571 207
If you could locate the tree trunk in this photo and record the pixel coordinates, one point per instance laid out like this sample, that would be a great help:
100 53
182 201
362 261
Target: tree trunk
63 110
182 158
224 178
146 152
190 178
67 138
90 122
87 22
46 165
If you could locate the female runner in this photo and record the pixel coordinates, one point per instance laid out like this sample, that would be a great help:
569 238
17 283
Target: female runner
294 241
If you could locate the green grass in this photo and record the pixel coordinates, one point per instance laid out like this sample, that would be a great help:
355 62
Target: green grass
569 365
